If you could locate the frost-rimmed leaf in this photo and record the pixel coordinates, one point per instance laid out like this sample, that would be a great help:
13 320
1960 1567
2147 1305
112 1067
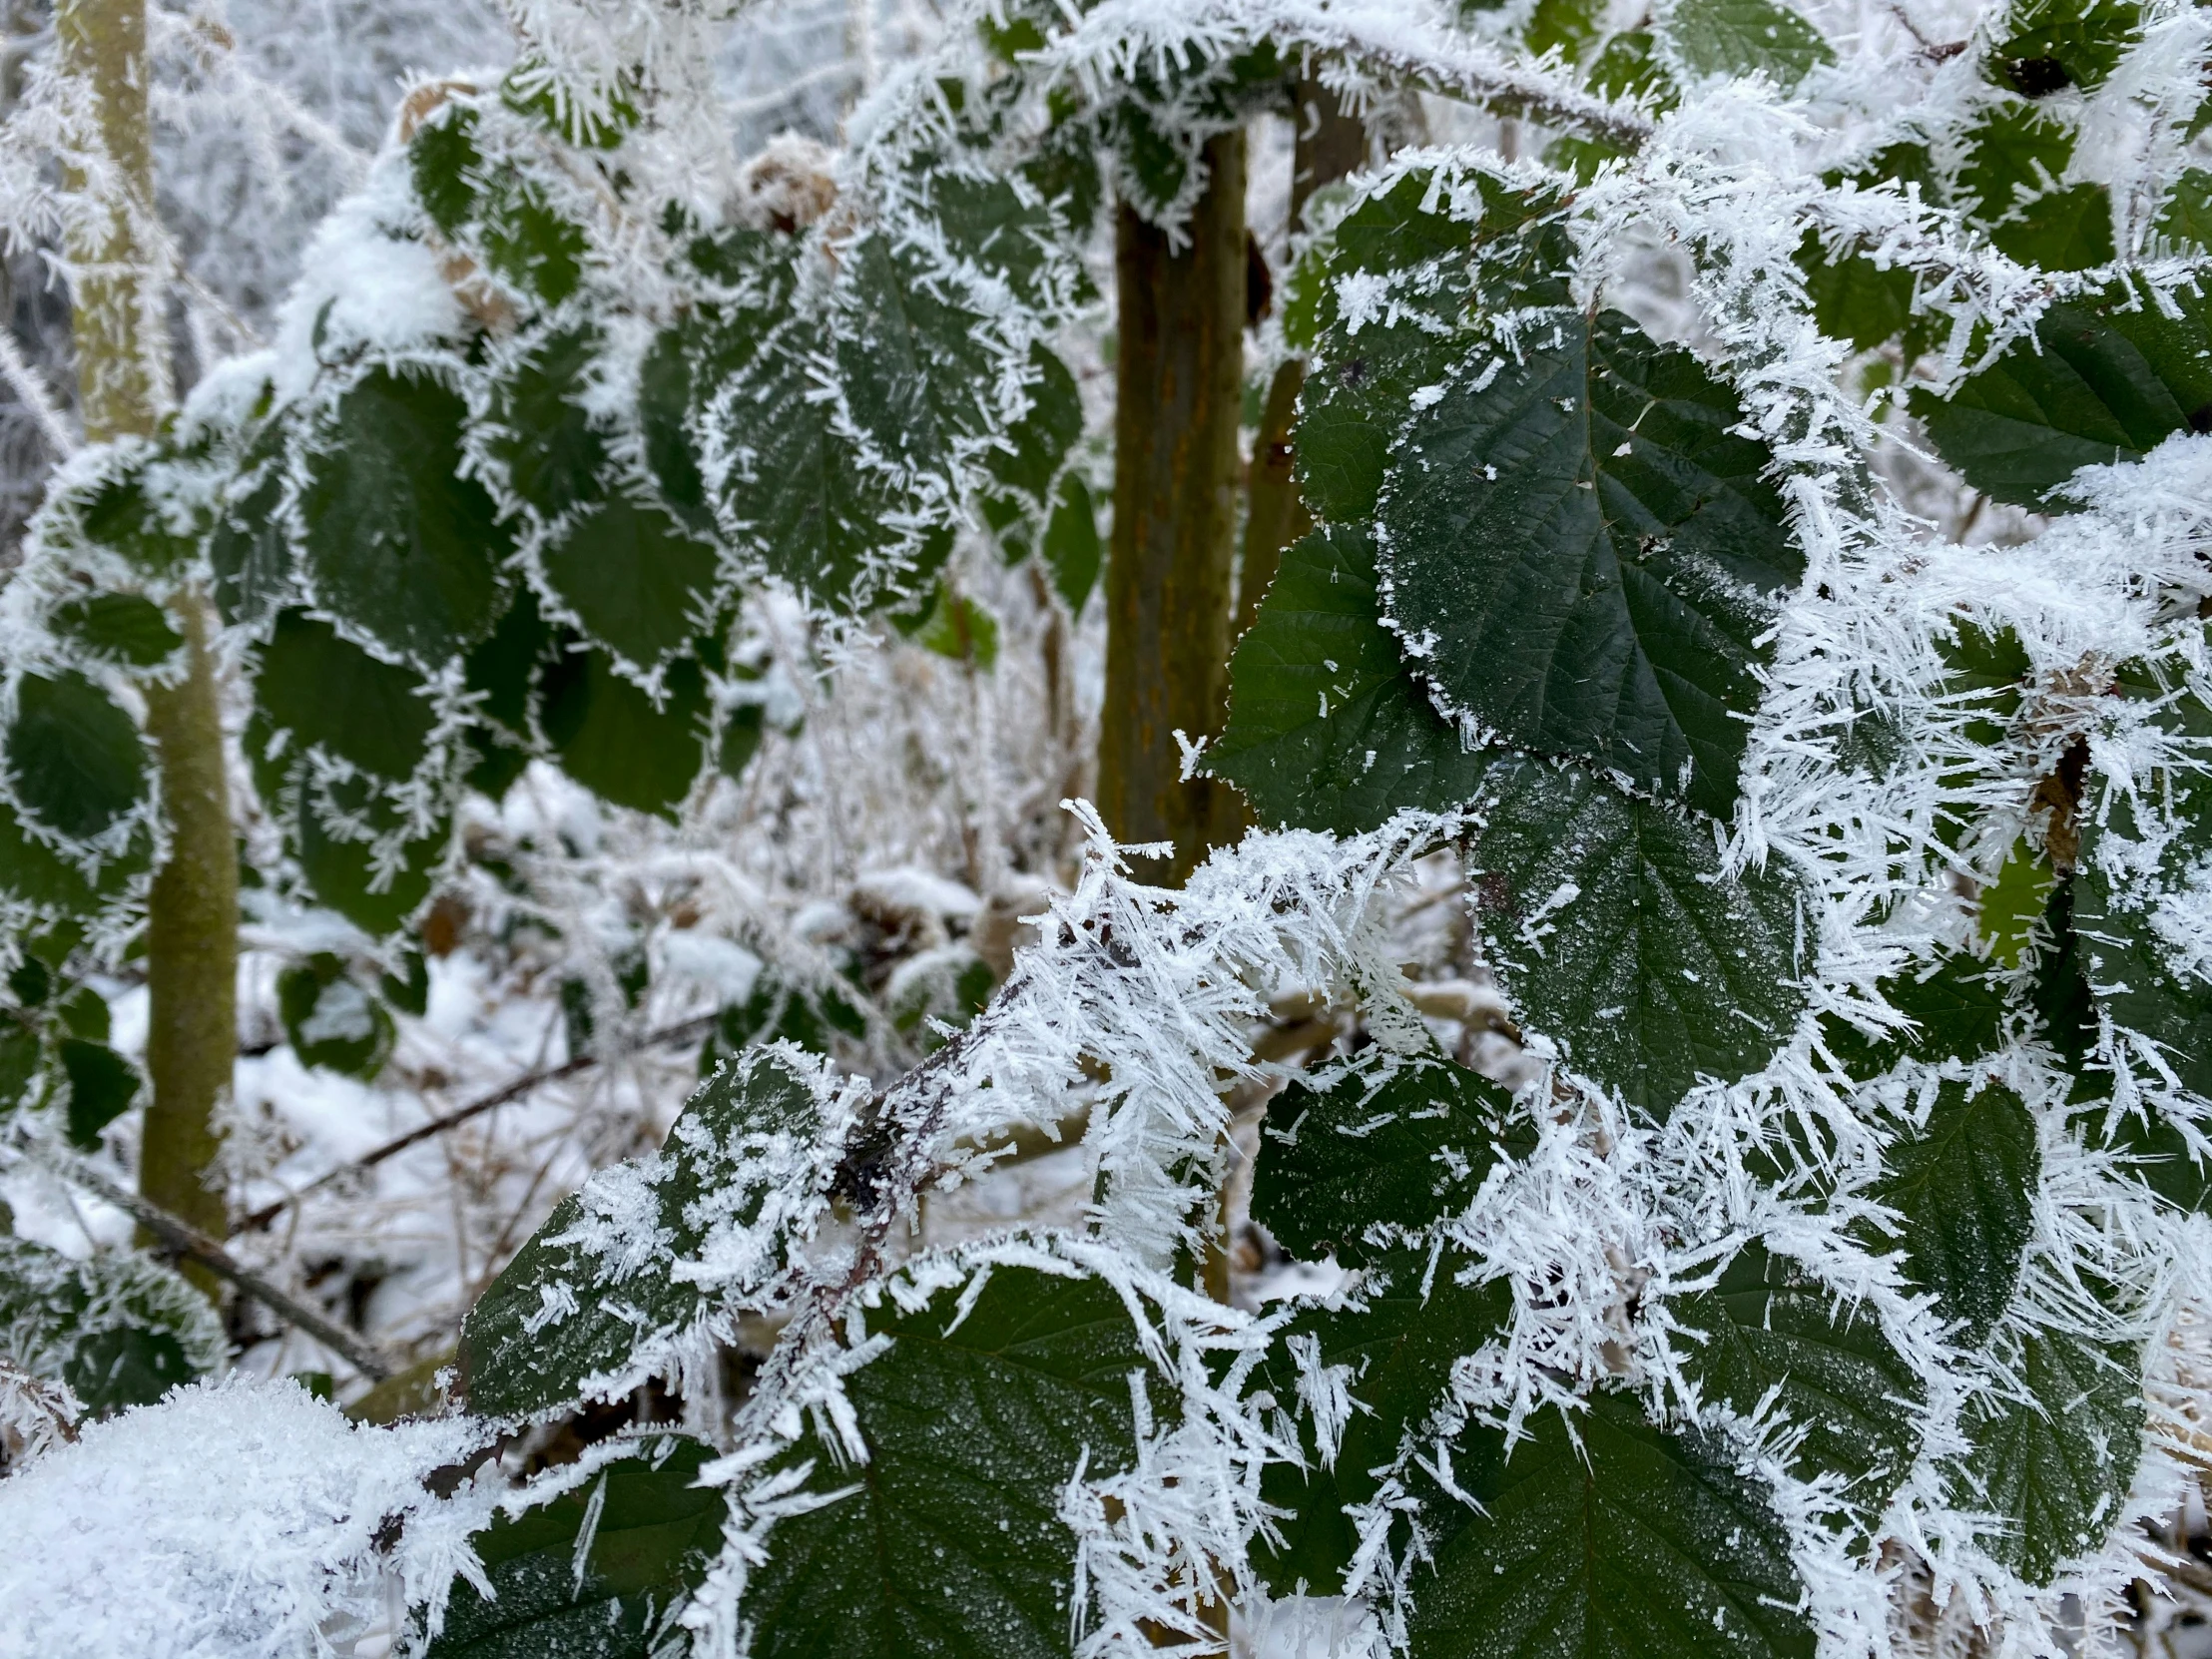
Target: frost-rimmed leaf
945 1533
1958 1012
74 758
1636 1541
637 582
1769 1324
615 738
2105 378
1966 1184
1581 553
394 539
118 1327
1362 1379
2056 1465
1611 922
653 1533
1745 37
326 691
124 628
1327 728
628 1270
915 362
1392 1145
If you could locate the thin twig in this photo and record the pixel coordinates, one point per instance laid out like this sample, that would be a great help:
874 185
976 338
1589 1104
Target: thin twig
682 1031
187 1240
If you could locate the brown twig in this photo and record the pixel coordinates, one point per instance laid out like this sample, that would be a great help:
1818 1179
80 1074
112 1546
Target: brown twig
682 1031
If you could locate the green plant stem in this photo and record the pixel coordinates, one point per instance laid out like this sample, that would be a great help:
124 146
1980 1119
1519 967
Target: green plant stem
1178 379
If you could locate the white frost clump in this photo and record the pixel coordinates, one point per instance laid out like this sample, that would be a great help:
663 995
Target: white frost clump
234 1520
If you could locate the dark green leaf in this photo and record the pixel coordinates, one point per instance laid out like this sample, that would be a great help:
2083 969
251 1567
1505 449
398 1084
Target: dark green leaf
75 757
341 865
2061 43
1389 1148
1611 922
1635 1542
1328 730
118 1327
503 670
249 550
1965 1186
593 1296
1769 1324
2105 379
2015 153
331 1018
654 1531
665 392
949 1542
1745 37
1041 440
960 629
2055 1466
612 737
2187 214
1588 553
442 157
528 243
915 363
1072 549
554 458
120 628
102 1085
637 582
2061 229
1957 1010
126 514
396 541
328 692
1400 1333
1353 409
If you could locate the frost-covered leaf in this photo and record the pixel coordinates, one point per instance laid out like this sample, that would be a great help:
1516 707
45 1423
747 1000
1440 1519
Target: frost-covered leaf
125 627
74 758
1745 37
1964 1184
1958 1012
1039 442
2104 379
2054 1466
601 1570
554 457
396 541
248 549
527 240
626 1270
326 691
2141 899
612 737
2061 229
118 1327
345 837
1770 1324
948 1541
914 361
331 1019
637 581
33 871
2051 43
2187 213
1396 1339
1390 1145
2013 152
1581 550
1328 728
1613 926
1634 1541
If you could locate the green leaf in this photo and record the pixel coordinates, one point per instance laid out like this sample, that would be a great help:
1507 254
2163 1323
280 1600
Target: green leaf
1398 1334
1072 550
331 1018
1964 1184
987 221
118 1329
2105 379
2187 214
598 1572
102 1086
1328 728
1957 1010
1611 922
74 759
132 514
33 871
2055 1463
118 628
248 549
1745 37
777 1009
1352 410
637 582
1566 26
1386 1149
2016 151
396 542
1040 440
328 692
915 363
1854 299
960 629
442 159
612 737
341 863
948 1541
593 1302
1635 1541
1767 1325
528 243
503 670
554 457
2061 229
2013 902
1588 554
665 391
2061 43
